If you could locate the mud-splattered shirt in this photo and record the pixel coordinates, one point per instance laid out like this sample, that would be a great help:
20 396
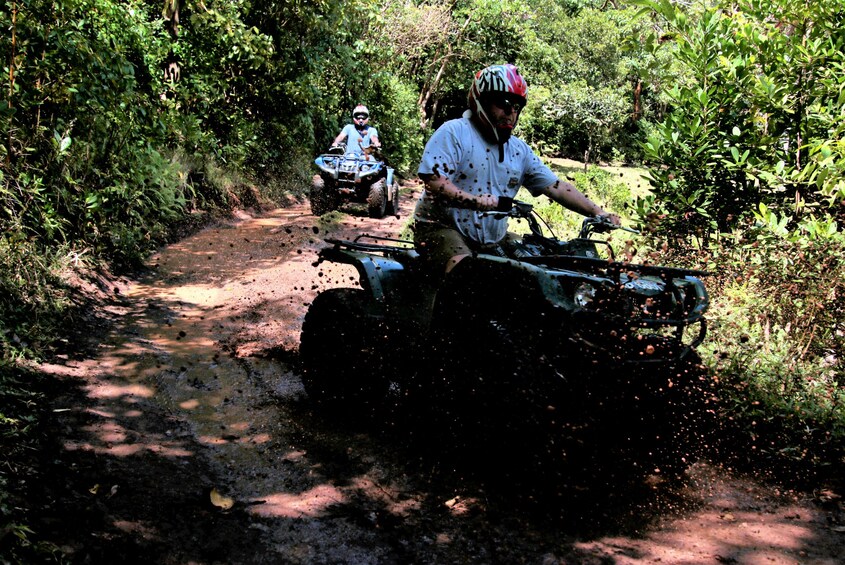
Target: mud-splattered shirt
458 151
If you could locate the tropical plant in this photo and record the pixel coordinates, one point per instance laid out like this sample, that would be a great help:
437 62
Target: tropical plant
752 124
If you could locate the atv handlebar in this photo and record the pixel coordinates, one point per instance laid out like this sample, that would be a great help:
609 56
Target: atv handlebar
601 224
590 225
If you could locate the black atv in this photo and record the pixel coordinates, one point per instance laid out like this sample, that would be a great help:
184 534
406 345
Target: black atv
354 176
542 346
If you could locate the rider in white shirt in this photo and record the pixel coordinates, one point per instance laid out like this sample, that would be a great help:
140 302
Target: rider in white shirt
473 165
359 134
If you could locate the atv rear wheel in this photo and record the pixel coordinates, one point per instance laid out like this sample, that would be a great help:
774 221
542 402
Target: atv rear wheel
323 198
377 199
340 363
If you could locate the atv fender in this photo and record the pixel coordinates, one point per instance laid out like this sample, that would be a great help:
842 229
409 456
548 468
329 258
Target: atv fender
379 275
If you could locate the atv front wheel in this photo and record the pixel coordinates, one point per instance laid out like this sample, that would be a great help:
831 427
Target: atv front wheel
377 199
323 199
393 207
494 389
340 363
687 407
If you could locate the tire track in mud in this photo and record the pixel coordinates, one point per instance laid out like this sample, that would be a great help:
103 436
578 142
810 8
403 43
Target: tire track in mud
233 298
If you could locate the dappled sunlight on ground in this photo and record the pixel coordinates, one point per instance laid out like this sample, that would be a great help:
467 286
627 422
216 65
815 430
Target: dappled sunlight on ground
727 538
196 392
395 498
312 503
114 391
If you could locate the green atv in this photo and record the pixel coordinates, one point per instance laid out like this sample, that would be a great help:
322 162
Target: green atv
541 345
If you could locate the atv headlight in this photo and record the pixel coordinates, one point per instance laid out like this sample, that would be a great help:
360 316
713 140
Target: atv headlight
584 295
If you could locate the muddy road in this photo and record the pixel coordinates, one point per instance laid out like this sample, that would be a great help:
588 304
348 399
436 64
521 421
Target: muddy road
184 436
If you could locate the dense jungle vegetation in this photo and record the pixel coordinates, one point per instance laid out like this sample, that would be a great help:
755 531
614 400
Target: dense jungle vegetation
125 121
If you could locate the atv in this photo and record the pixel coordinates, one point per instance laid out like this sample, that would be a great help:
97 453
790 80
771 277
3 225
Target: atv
543 345
354 176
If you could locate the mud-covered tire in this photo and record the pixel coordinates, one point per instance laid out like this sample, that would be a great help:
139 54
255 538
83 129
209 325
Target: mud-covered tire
323 199
393 204
490 392
377 199
340 362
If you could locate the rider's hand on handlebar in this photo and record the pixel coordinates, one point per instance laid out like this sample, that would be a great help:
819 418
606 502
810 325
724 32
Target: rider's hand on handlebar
492 203
609 218
603 222
504 204
485 202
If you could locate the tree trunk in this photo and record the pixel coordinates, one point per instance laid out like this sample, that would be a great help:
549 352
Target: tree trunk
428 91
638 101
171 14
430 88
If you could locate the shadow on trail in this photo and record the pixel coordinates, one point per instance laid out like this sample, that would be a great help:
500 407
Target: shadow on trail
599 495
198 390
120 480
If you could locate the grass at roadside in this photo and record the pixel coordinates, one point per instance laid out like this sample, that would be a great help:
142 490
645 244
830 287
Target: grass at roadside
632 177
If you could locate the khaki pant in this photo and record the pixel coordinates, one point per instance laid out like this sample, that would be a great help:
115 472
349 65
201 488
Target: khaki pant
442 247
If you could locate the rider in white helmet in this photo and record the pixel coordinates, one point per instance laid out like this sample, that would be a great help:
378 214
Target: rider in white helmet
359 134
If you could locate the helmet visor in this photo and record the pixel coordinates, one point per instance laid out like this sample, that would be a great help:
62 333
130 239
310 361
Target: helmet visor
507 102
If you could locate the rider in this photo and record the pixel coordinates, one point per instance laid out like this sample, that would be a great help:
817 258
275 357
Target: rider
473 165
359 134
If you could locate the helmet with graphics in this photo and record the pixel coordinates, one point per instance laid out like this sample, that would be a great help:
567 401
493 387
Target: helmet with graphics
497 83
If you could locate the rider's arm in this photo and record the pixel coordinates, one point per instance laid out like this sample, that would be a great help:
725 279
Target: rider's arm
340 137
442 187
568 196
374 141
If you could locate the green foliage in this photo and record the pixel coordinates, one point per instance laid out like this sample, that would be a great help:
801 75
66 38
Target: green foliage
80 163
31 298
747 167
400 134
587 99
600 185
776 343
760 86
581 117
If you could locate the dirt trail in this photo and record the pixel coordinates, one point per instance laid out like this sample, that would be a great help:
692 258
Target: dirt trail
187 438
